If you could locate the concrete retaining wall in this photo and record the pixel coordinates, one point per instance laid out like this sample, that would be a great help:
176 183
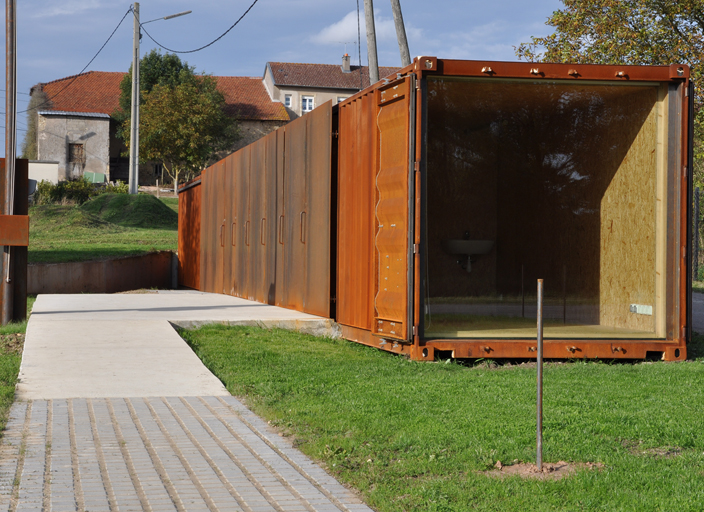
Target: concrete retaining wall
153 270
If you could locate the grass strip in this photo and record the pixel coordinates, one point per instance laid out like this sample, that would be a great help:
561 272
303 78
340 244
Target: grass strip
418 436
11 344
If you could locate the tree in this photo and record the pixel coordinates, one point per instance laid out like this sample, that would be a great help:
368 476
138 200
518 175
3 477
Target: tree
184 125
38 100
155 68
652 32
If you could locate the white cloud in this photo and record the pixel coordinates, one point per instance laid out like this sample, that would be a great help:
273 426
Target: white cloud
345 30
67 7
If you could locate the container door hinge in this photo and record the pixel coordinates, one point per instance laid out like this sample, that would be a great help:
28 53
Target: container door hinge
415 248
685 171
335 134
686 92
416 166
415 330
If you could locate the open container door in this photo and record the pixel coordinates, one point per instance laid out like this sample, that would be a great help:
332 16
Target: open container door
393 211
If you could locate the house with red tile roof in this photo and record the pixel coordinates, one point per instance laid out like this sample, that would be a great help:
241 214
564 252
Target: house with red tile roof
302 87
76 127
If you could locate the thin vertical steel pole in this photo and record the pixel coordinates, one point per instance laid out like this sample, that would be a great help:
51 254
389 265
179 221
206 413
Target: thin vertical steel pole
10 148
539 408
695 242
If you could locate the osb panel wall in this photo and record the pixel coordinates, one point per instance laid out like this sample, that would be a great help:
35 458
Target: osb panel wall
628 221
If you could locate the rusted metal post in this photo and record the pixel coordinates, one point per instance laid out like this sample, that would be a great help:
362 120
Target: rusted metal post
539 458
10 149
695 242
371 41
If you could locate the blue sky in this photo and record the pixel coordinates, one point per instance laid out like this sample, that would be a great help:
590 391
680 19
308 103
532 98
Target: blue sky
57 39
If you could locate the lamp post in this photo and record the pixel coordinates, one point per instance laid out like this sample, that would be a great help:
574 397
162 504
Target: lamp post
134 120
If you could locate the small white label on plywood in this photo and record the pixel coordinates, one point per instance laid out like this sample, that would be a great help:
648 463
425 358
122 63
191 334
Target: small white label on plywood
641 309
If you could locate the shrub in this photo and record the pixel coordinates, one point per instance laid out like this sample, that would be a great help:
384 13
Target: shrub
76 191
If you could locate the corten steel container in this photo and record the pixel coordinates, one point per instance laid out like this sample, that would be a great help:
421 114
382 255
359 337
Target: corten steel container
420 212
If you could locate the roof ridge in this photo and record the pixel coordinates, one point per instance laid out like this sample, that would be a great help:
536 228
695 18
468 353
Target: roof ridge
82 74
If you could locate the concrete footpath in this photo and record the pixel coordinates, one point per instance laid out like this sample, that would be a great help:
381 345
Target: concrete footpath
115 412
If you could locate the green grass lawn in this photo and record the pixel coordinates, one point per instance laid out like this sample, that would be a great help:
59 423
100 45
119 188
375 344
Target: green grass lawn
418 436
11 343
108 226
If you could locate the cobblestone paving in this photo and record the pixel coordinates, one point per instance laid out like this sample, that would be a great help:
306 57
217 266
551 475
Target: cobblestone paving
154 454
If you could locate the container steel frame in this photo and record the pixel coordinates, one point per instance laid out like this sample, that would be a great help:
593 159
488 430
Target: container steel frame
358 156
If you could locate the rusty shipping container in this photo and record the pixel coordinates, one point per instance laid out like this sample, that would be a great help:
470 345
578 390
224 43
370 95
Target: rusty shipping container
420 212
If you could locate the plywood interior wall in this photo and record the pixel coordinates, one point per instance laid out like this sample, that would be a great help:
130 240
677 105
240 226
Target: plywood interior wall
628 228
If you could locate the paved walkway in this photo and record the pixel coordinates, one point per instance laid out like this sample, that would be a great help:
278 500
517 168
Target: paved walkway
68 450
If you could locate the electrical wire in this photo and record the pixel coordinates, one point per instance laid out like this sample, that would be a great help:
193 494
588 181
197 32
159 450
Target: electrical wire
205 46
75 77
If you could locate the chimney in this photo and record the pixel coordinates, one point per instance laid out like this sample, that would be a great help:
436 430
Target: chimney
346 64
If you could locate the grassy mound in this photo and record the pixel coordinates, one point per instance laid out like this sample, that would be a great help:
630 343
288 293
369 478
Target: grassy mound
111 225
139 211
67 219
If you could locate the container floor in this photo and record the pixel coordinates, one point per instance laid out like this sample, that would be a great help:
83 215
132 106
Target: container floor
448 326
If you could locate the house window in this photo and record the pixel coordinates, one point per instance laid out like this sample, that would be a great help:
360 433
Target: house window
287 100
306 104
76 154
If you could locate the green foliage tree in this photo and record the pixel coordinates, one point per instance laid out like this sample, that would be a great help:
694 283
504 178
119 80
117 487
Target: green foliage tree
37 101
155 68
184 125
652 32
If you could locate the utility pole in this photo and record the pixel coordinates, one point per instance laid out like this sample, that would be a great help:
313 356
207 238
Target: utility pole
371 42
10 150
134 116
401 33
134 119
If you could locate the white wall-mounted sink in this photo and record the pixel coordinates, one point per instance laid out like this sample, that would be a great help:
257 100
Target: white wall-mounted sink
468 247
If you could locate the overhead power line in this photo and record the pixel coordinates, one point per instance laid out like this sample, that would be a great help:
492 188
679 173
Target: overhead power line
75 77
205 46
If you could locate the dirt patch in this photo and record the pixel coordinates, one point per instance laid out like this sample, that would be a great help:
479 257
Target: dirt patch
635 448
667 452
551 471
12 343
142 290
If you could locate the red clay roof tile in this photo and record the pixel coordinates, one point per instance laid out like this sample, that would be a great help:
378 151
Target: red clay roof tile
99 91
323 75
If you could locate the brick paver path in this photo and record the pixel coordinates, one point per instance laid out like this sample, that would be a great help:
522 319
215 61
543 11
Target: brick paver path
153 454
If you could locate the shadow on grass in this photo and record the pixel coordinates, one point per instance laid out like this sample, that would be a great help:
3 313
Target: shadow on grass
86 253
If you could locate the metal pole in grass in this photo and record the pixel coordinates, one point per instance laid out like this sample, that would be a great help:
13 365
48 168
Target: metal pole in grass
540 377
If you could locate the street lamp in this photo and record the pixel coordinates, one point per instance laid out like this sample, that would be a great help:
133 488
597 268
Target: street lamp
134 121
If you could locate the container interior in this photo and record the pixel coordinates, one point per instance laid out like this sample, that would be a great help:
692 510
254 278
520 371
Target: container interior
560 181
